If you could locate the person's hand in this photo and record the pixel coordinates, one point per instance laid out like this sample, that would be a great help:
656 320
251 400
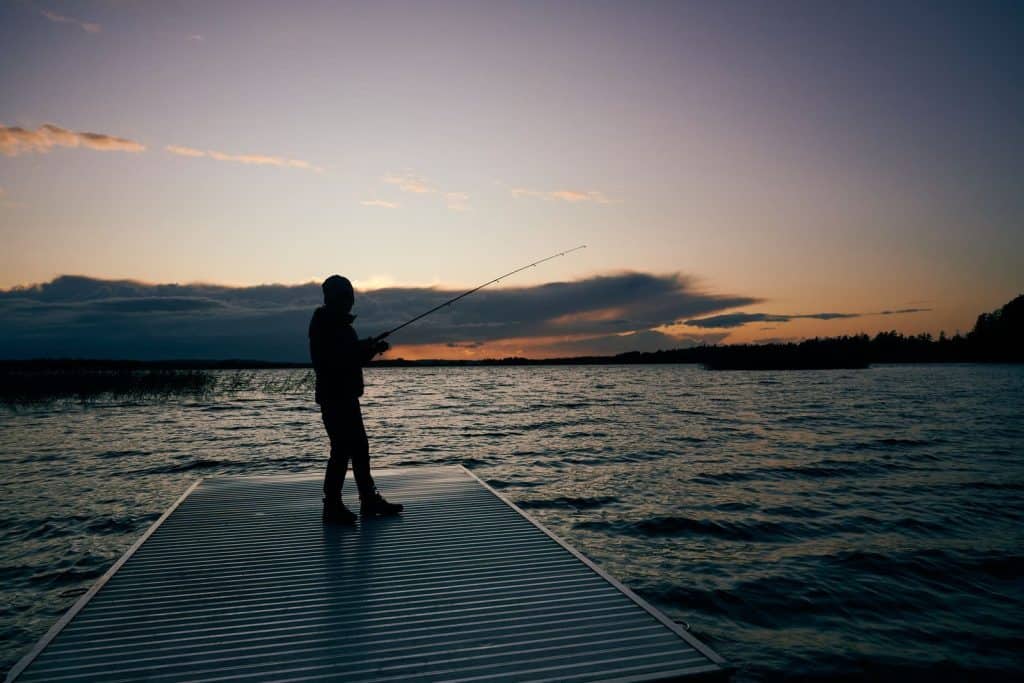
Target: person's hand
380 346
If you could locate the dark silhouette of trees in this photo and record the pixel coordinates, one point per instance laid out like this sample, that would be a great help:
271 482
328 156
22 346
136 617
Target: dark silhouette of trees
999 336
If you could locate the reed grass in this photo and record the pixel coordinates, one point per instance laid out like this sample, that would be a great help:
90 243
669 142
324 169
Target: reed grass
85 384
25 384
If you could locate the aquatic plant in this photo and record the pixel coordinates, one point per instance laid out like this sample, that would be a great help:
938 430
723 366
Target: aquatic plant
41 384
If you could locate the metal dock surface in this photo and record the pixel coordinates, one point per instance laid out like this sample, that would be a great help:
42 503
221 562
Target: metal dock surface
241 581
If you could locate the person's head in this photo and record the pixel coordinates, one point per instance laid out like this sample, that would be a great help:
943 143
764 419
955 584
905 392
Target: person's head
338 292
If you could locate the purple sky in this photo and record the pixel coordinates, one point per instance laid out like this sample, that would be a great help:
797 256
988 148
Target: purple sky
846 158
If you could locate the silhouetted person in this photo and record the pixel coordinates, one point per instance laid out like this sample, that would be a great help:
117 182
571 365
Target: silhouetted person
338 358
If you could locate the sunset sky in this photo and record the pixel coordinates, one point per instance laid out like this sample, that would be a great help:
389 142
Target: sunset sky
739 171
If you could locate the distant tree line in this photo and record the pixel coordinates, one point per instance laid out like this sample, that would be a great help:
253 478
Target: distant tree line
996 337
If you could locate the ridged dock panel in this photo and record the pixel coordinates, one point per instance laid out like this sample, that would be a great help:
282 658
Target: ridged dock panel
241 581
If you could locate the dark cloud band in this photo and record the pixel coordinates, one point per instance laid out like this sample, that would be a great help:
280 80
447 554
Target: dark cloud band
75 316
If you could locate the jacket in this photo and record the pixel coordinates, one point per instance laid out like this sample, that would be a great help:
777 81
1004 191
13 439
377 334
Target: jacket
338 355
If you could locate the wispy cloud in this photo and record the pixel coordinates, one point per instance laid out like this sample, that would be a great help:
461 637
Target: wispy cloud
901 311
15 140
86 26
409 182
729 320
254 159
185 151
739 319
572 196
379 203
195 38
457 201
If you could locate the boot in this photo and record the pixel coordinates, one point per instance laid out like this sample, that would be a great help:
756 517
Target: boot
335 512
376 506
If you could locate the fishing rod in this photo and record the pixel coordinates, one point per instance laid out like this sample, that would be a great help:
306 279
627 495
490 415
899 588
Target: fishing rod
384 335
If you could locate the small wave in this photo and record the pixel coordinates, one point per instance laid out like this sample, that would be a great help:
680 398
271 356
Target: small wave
118 525
822 469
473 462
993 485
769 601
643 456
932 565
834 468
879 444
793 511
747 530
684 438
201 464
732 506
50 528
906 442
576 503
716 478
549 424
687 411
131 453
63 577
502 484
45 457
589 460
1005 567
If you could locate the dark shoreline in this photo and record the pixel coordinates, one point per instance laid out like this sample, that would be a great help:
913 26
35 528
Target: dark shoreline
997 337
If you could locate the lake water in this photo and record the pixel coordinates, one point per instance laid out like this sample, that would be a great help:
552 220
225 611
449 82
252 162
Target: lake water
805 524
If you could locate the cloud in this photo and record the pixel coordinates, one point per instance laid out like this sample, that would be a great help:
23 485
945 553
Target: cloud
15 140
901 311
255 159
729 320
572 196
196 38
457 201
185 151
408 182
88 27
739 319
87 317
380 203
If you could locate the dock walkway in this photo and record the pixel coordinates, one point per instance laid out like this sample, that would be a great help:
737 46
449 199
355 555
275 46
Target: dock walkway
241 581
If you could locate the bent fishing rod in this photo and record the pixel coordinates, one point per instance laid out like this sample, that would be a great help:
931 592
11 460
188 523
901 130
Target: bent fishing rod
384 335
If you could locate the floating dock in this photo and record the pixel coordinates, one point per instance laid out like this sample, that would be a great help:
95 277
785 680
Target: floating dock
241 581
